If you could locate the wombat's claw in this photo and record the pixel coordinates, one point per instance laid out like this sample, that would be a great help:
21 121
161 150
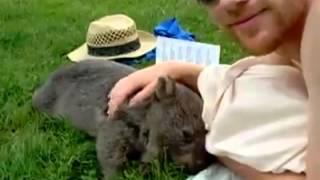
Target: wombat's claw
148 157
144 169
110 173
108 178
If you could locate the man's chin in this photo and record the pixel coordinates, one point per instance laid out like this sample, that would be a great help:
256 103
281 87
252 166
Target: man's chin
260 51
262 48
258 45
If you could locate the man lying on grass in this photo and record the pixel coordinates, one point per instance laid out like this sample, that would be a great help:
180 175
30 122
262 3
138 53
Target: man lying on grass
280 33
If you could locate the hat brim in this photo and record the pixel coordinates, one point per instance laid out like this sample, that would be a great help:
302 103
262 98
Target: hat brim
147 41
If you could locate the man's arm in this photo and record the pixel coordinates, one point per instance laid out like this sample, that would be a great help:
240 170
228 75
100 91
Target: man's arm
185 73
139 85
310 57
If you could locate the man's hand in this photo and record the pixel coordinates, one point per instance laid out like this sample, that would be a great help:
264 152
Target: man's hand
135 88
139 86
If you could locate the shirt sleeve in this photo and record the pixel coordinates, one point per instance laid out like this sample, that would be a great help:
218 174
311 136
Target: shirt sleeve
208 84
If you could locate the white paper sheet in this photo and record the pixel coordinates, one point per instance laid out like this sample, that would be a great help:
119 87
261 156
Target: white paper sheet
187 51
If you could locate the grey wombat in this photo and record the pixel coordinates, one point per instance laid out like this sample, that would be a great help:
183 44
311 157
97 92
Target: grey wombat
78 92
172 119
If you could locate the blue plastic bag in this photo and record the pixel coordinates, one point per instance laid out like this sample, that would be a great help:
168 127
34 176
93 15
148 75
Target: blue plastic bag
170 28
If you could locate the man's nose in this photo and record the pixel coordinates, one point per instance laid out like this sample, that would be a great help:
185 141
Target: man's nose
233 7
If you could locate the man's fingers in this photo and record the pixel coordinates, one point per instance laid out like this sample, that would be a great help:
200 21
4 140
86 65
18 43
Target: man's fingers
114 103
137 85
144 94
119 94
121 88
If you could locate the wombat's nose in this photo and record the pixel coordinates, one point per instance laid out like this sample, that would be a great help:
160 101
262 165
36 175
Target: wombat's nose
199 162
195 167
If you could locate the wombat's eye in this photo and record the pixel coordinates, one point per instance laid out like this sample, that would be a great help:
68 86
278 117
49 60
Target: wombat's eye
187 136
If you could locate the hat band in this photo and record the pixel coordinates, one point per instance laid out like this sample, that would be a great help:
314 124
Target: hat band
115 50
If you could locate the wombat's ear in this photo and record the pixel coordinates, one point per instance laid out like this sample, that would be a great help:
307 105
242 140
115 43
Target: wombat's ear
166 88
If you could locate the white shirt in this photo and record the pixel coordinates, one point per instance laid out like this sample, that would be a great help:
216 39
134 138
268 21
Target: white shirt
256 114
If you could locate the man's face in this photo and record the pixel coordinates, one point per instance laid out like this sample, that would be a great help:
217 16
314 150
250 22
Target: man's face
260 25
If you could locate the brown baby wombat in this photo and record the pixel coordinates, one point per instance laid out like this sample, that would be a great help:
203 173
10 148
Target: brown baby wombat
78 92
171 123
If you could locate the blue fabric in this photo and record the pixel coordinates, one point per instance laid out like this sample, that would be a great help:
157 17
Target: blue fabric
170 28
129 61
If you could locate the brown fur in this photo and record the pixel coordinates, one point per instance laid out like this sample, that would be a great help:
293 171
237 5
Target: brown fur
171 122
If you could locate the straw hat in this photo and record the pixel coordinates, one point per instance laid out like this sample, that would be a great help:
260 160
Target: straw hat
113 37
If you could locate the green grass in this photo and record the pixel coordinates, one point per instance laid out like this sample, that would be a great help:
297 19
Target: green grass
35 36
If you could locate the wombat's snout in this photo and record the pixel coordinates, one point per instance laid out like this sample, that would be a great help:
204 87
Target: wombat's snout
196 166
192 163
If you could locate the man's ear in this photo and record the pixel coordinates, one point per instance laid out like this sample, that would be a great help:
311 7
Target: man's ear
165 88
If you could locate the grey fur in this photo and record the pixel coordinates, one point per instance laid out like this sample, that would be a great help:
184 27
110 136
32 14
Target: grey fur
175 116
78 92
170 122
174 125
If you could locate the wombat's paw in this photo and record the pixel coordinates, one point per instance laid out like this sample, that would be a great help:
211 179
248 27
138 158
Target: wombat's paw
150 155
110 174
109 178
145 169
146 158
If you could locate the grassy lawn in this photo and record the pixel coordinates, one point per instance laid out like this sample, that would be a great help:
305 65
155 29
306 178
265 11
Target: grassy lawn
35 36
